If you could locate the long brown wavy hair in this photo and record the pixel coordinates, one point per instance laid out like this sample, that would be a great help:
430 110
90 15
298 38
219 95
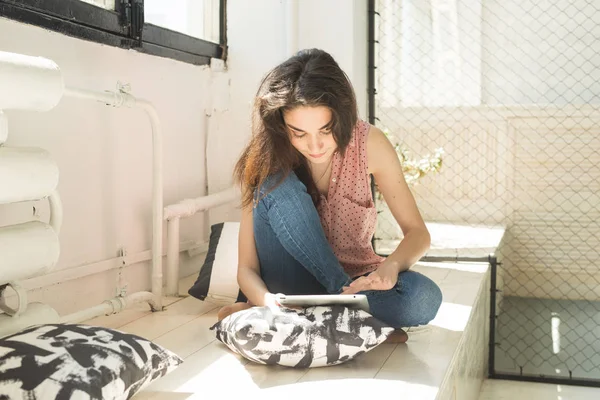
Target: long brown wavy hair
309 78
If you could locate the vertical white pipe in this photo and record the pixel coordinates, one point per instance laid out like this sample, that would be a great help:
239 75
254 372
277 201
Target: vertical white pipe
291 27
118 99
157 201
173 257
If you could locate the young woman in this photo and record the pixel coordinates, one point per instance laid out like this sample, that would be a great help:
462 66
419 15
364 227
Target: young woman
308 214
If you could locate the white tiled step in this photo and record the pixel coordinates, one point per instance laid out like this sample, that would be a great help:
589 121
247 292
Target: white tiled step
427 367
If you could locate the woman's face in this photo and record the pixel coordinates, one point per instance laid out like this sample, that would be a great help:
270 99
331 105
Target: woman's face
310 132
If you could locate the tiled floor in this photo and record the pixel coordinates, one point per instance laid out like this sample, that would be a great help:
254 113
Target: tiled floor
549 337
416 370
511 390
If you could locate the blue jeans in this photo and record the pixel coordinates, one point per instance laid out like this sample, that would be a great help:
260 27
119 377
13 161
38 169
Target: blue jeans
295 258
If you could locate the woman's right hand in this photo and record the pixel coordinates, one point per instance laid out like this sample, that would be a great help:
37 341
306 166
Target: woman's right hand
271 301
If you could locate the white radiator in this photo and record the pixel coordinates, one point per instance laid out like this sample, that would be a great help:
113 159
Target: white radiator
30 248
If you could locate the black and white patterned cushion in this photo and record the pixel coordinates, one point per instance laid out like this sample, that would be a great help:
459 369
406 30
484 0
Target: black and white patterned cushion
71 361
311 337
217 279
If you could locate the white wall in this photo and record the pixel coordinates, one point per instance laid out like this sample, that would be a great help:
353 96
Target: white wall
340 28
104 154
256 44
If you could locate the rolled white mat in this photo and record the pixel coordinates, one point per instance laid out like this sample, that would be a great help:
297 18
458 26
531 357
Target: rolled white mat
3 128
29 83
36 314
26 174
27 250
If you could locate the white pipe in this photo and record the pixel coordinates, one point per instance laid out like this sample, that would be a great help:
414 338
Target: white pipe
111 306
108 307
157 200
173 257
183 209
56 211
114 99
189 207
291 27
68 274
118 99
21 300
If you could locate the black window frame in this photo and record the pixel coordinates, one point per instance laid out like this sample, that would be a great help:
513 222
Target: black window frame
123 27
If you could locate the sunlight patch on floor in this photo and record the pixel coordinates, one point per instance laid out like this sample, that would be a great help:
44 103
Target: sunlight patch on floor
453 317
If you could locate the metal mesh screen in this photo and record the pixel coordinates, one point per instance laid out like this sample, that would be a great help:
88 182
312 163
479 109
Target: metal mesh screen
510 90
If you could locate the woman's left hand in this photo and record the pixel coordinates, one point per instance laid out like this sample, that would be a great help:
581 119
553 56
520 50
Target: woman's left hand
384 277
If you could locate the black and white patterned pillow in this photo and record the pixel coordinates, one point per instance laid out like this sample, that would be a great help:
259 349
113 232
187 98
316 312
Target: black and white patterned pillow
311 337
217 279
72 361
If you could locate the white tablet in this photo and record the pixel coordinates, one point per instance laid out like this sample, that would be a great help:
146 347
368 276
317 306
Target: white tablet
349 300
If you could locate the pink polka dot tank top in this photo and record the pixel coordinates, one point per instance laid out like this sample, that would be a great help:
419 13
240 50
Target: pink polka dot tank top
348 214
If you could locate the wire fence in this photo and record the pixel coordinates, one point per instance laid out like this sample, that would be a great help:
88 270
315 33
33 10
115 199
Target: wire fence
494 106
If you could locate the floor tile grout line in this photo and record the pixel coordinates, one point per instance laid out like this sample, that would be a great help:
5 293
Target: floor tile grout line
243 360
303 375
200 349
386 360
185 323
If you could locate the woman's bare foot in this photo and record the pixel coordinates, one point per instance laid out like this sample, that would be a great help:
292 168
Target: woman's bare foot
228 310
398 336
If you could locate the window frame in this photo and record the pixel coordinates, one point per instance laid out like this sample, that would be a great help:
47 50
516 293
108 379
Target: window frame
123 27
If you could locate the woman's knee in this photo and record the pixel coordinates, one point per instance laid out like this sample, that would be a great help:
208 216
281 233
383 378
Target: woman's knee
276 189
426 297
288 196
416 301
281 186
433 301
